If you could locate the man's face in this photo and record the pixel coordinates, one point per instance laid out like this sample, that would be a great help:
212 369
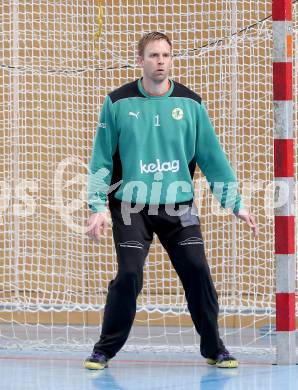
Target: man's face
157 60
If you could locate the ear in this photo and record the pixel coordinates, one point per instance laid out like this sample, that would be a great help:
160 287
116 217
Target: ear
140 60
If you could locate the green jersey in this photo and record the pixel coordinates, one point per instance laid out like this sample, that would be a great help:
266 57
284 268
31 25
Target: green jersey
146 149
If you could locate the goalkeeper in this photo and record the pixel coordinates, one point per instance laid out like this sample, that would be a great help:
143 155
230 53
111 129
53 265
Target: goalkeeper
151 134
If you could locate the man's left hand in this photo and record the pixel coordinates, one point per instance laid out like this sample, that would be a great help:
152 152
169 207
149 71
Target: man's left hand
249 219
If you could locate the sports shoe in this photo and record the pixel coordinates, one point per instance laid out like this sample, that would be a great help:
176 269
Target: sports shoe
97 361
224 360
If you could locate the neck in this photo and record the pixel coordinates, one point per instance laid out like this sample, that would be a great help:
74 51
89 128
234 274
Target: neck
156 89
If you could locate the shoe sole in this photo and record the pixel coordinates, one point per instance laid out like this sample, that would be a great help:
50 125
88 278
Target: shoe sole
225 364
95 366
228 364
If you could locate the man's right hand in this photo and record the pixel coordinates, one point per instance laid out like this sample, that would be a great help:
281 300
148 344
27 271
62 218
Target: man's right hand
98 224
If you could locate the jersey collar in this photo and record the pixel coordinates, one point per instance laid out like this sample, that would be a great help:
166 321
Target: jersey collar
143 92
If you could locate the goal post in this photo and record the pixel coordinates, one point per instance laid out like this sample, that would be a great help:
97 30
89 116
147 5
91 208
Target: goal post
58 62
284 221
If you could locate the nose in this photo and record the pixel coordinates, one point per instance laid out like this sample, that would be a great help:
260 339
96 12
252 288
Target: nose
160 59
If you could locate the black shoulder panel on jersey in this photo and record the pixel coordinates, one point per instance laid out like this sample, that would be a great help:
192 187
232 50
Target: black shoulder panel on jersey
126 91
181 90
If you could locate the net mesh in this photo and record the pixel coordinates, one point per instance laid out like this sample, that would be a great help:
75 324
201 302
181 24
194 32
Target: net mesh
58 61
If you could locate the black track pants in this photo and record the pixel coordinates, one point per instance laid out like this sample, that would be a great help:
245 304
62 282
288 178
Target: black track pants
181 236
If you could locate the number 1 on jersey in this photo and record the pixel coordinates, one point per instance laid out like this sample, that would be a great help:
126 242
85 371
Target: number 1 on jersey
156 120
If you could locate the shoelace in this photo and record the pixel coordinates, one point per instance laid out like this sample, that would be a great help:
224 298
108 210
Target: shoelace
225 354
96 355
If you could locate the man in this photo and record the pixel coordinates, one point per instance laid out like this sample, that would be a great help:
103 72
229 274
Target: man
151 134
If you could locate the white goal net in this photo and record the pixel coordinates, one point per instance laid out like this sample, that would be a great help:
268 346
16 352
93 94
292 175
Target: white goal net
57 62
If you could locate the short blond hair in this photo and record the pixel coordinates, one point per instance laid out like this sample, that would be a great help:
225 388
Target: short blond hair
149 37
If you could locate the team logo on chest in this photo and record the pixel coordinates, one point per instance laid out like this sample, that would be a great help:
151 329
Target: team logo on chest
177 113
